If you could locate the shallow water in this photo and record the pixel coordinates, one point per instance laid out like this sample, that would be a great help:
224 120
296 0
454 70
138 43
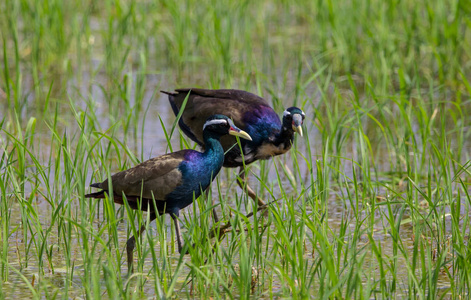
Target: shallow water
150 141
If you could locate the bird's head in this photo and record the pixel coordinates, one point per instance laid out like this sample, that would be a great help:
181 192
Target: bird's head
221 125
294 117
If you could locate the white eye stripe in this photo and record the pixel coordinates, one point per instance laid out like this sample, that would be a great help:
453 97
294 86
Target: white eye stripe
214 122
286 112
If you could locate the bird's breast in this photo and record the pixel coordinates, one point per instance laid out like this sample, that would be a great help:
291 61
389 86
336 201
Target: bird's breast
197 173
268 150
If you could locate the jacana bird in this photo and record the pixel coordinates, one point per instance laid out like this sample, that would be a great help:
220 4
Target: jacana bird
270 135
173 180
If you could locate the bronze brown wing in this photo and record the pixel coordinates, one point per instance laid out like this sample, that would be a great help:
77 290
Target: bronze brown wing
203 103
154 178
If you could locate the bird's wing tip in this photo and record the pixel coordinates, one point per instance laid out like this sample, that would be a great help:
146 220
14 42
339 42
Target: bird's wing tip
168 93
100 194
96 185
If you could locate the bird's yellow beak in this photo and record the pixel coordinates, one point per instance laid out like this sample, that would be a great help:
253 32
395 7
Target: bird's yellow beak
240 133
298 129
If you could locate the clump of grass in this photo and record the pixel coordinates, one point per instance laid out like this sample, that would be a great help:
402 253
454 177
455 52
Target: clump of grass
372 202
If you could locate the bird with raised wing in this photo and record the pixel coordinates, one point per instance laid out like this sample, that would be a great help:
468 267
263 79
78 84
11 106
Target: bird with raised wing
169 183
270 135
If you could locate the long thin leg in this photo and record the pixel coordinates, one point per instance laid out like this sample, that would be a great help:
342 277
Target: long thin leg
215 215
177 230
131 243
243 183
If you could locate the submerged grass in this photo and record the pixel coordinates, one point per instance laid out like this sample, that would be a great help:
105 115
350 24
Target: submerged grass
373 202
